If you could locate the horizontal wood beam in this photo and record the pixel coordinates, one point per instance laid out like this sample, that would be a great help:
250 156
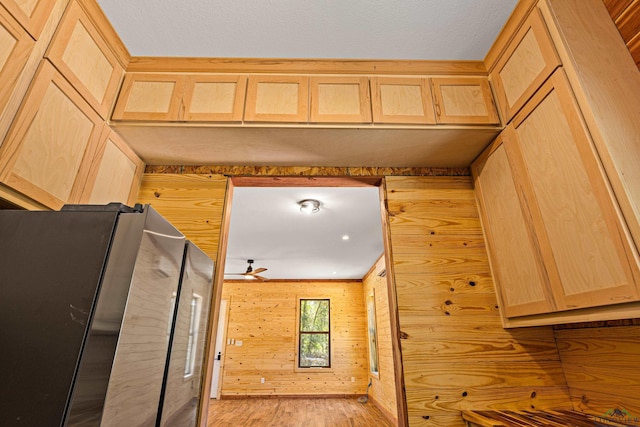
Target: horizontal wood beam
304 66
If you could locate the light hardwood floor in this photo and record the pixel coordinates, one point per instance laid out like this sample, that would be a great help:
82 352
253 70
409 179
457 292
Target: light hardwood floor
295 412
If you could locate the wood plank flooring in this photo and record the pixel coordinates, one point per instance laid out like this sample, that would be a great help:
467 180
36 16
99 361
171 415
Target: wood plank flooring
295 412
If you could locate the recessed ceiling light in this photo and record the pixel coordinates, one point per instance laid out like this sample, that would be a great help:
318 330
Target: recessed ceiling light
345 237
309 206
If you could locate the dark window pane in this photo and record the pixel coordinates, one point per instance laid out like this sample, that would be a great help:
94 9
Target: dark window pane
314 350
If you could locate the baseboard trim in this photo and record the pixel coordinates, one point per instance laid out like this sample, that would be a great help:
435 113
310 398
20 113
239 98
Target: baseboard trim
288 396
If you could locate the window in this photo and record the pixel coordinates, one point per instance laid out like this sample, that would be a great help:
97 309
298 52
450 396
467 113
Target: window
373 333
314 339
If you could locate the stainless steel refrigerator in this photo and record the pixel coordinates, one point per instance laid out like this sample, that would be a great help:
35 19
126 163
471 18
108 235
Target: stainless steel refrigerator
87 312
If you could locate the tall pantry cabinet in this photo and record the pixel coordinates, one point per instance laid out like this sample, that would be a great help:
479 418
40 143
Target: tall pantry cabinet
559 238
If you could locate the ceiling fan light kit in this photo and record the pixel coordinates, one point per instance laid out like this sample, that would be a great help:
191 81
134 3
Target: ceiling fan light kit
309 206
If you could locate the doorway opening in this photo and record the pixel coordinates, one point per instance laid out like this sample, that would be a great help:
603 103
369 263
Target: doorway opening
274 256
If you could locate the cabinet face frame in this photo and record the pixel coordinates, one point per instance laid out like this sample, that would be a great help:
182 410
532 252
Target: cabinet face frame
536 27
17 58
110 136
500 246
379 116
617 231
35 21
441 106
302 104
235 115
363 101
74 16
11 150
175 107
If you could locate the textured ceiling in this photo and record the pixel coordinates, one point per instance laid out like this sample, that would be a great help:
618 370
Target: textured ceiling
354 29
268 227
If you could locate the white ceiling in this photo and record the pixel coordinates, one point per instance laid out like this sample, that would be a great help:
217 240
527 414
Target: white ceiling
266 224
268 227
351 29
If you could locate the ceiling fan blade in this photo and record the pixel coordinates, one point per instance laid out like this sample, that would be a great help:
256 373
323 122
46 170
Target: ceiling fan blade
258 270
262 279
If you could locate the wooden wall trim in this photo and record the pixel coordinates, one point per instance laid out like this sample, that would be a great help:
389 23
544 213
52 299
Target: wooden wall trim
301 171
303 66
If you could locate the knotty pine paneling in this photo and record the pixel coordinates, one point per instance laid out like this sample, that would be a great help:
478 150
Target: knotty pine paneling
263 316
601 367
626 16
456 355
192 203
383 388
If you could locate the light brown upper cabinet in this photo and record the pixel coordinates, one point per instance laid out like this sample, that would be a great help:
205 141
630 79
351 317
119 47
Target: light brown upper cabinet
277 99
518 270
85 59
214 98
48 151
15 47
340 100
31 14
565 205
402 100
154 97
464 100
116 172
181 97
528 61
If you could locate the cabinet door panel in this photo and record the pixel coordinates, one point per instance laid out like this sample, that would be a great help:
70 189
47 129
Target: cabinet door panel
340 100
150 97
47 151
402 100
277 99
31 14
115 173
84 58
15 47
528 62
464 101
521 280
581 232
214 98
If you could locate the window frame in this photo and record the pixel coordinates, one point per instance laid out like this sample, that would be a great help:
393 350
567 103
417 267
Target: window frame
372 336
299 333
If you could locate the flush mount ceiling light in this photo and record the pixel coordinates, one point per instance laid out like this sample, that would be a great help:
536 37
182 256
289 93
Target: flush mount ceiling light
309 206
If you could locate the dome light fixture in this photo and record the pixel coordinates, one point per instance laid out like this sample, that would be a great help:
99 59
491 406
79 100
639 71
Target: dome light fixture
309 206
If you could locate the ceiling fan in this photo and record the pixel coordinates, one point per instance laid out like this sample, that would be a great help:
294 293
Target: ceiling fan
250 273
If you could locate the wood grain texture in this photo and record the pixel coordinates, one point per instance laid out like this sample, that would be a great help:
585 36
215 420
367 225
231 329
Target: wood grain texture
607 91
48 151
464 100
528 61
15 47
340 100
295 412
601 367
277 99
383 389
454 349
17 93
263 317
32 15
304 66
150 97
192 203
214 98
402 100
85 59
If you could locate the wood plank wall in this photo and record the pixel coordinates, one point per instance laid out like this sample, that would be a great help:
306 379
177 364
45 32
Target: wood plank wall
601 367
455 353
263 316
383 387
626 16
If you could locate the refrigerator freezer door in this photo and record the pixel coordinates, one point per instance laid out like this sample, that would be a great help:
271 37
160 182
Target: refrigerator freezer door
184 371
